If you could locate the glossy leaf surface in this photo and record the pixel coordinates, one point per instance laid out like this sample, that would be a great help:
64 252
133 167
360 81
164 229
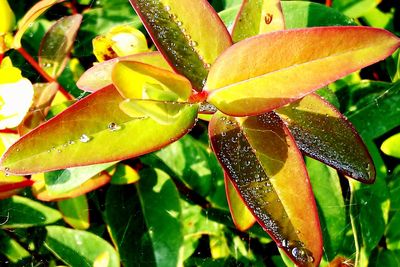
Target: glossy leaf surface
40 191
79 248
38 9
391 146
77 136
21 212
259 155
257 17
136 80
323 133
12 249
75 212
57 44
99 76
241 215
189 34
250 86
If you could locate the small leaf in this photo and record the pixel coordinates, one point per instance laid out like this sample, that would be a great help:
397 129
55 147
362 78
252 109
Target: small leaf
12 249
323 133
38 9
75 212
391 146
99 76
81 131
40 192
78 248
189 34
20 212
124 174
57 44
251 87
256 17
147 79
260 157
241 216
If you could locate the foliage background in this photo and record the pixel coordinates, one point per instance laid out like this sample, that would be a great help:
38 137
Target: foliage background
182 216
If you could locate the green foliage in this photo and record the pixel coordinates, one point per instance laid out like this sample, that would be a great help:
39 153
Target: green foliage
111 165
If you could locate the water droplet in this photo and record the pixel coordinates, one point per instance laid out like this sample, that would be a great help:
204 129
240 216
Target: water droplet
18 149
247 163
7 169
192 43
70 142
84 138
167 8
114 127
285 243
268 18
234 139
300 254
179 23
207 65
223 133
48 65
48 151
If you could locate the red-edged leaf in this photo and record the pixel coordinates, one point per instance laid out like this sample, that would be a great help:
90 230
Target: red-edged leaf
323 133
189 34
257 17
11 185
264 164
57 44
99 76
77 136
277 68
241 215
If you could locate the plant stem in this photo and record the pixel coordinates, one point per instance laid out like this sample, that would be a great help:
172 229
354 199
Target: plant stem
44 74
9 131
328 3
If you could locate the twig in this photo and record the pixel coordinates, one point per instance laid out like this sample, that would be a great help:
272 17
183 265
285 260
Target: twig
328 3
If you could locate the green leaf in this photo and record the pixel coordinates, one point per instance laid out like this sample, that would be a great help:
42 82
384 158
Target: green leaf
323 133
147 228
391 146
76 137
75 212
190 35
354 8
12 249
259 155
331 207
79 248
250 87
20 212
124 174
392 232
57 44
385 257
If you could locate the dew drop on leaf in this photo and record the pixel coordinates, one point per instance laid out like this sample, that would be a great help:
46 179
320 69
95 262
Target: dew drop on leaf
114 127
84 138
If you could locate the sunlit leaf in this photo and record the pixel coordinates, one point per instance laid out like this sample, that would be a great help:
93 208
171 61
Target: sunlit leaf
57 44
7 20
40 191
260 156
12 249
256 17
124 174
20 212
355 8
323 133
189 34
78 248
120 41
241 216
76 137
99 76
38 9
75 212
137 80
322 55
391 146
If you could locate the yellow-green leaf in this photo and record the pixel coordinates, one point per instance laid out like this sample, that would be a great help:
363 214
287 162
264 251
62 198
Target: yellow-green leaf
75 212
391 146
277 68
7 19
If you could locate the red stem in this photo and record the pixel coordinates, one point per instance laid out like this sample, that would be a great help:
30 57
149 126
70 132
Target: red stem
22 184
72 5
44 74
9 131
198 97
1 57
328 3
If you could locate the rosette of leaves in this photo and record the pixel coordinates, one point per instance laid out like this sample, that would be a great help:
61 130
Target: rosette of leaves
262 88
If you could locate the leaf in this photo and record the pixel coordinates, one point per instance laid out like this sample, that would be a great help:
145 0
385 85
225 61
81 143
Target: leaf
7 21
76 137
12 249
250 86
57 44
259 155
355 8
241 215
391 146
40 192
256 17
20 212
38 9
99 76
331 207
323 133
124 174
149 82
78 248
189 35
146 229
75 212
